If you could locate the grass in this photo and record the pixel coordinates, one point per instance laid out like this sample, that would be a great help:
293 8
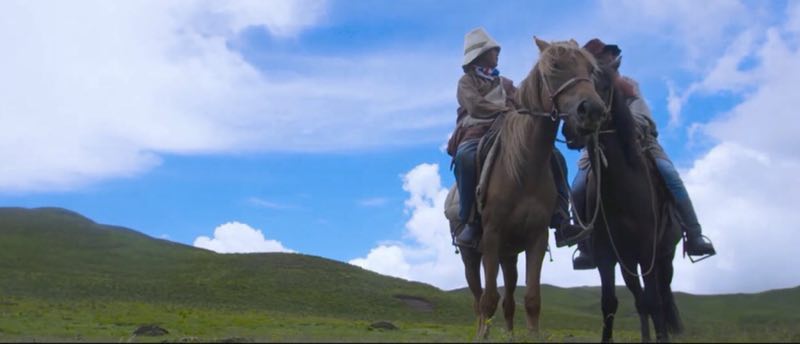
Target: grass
66 278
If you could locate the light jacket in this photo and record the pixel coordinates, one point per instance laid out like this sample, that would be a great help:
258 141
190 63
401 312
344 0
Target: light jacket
480 101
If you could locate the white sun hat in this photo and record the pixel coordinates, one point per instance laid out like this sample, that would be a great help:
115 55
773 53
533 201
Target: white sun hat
476 42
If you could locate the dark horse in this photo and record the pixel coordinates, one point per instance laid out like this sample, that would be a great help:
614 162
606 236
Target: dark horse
521 197
637 226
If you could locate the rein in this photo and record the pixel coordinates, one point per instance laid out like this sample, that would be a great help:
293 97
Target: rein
598 153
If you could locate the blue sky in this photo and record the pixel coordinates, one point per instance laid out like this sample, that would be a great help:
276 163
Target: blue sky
320 124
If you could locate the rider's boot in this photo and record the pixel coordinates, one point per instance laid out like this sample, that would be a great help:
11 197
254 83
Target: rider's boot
470 235
584 260
695 244
567 234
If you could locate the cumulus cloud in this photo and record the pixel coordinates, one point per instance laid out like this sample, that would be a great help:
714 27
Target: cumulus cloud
237 237
724 76
425 254
387 260
96 89
766 120
745 200
744 188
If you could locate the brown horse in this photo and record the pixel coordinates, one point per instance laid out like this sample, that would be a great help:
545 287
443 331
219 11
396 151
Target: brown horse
638 227
521 195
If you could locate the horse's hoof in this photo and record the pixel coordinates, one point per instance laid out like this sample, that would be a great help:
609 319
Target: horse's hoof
483 330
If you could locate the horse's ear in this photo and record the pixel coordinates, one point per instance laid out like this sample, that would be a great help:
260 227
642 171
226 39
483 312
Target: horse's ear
616 63
540 43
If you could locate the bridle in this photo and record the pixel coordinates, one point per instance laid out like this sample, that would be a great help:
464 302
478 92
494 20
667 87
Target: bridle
555 113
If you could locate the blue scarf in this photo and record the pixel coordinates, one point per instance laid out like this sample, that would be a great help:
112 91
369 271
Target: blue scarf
487 73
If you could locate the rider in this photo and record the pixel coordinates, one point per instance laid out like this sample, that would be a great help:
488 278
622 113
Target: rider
695 245
482 96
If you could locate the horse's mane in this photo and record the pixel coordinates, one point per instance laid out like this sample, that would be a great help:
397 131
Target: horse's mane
556 51
517 126
529 96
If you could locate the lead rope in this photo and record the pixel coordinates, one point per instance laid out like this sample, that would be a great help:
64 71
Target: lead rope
598 199
598 154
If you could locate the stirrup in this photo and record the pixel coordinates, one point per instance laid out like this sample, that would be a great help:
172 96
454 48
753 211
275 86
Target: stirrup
703 257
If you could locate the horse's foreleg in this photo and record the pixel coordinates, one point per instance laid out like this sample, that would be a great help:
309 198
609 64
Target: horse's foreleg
608 298
509 266
490 297
634 285
534 256
472 271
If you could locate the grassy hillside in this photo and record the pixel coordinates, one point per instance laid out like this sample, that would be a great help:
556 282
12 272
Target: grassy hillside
57 255
64 277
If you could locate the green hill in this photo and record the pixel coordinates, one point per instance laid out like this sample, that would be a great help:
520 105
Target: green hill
62 276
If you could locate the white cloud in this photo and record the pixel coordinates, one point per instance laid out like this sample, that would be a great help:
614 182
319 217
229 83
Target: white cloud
766 120
426 255
724 76
745 200
237 237
744 188
387 260
96 89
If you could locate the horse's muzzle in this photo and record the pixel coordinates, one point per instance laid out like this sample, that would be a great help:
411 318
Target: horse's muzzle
590 114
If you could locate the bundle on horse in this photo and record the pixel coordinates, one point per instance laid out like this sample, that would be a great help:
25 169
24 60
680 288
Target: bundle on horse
637 227
520 195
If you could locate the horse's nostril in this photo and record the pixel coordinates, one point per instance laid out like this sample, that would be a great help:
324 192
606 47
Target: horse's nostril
583 108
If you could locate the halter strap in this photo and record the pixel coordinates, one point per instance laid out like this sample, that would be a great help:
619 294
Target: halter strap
565 86
555 113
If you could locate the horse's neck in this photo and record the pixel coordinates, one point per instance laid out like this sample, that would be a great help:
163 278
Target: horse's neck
621 174
530 151
534 135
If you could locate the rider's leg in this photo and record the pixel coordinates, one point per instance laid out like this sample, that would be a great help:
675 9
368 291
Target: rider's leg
466 178
584 259
566 233
695 245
